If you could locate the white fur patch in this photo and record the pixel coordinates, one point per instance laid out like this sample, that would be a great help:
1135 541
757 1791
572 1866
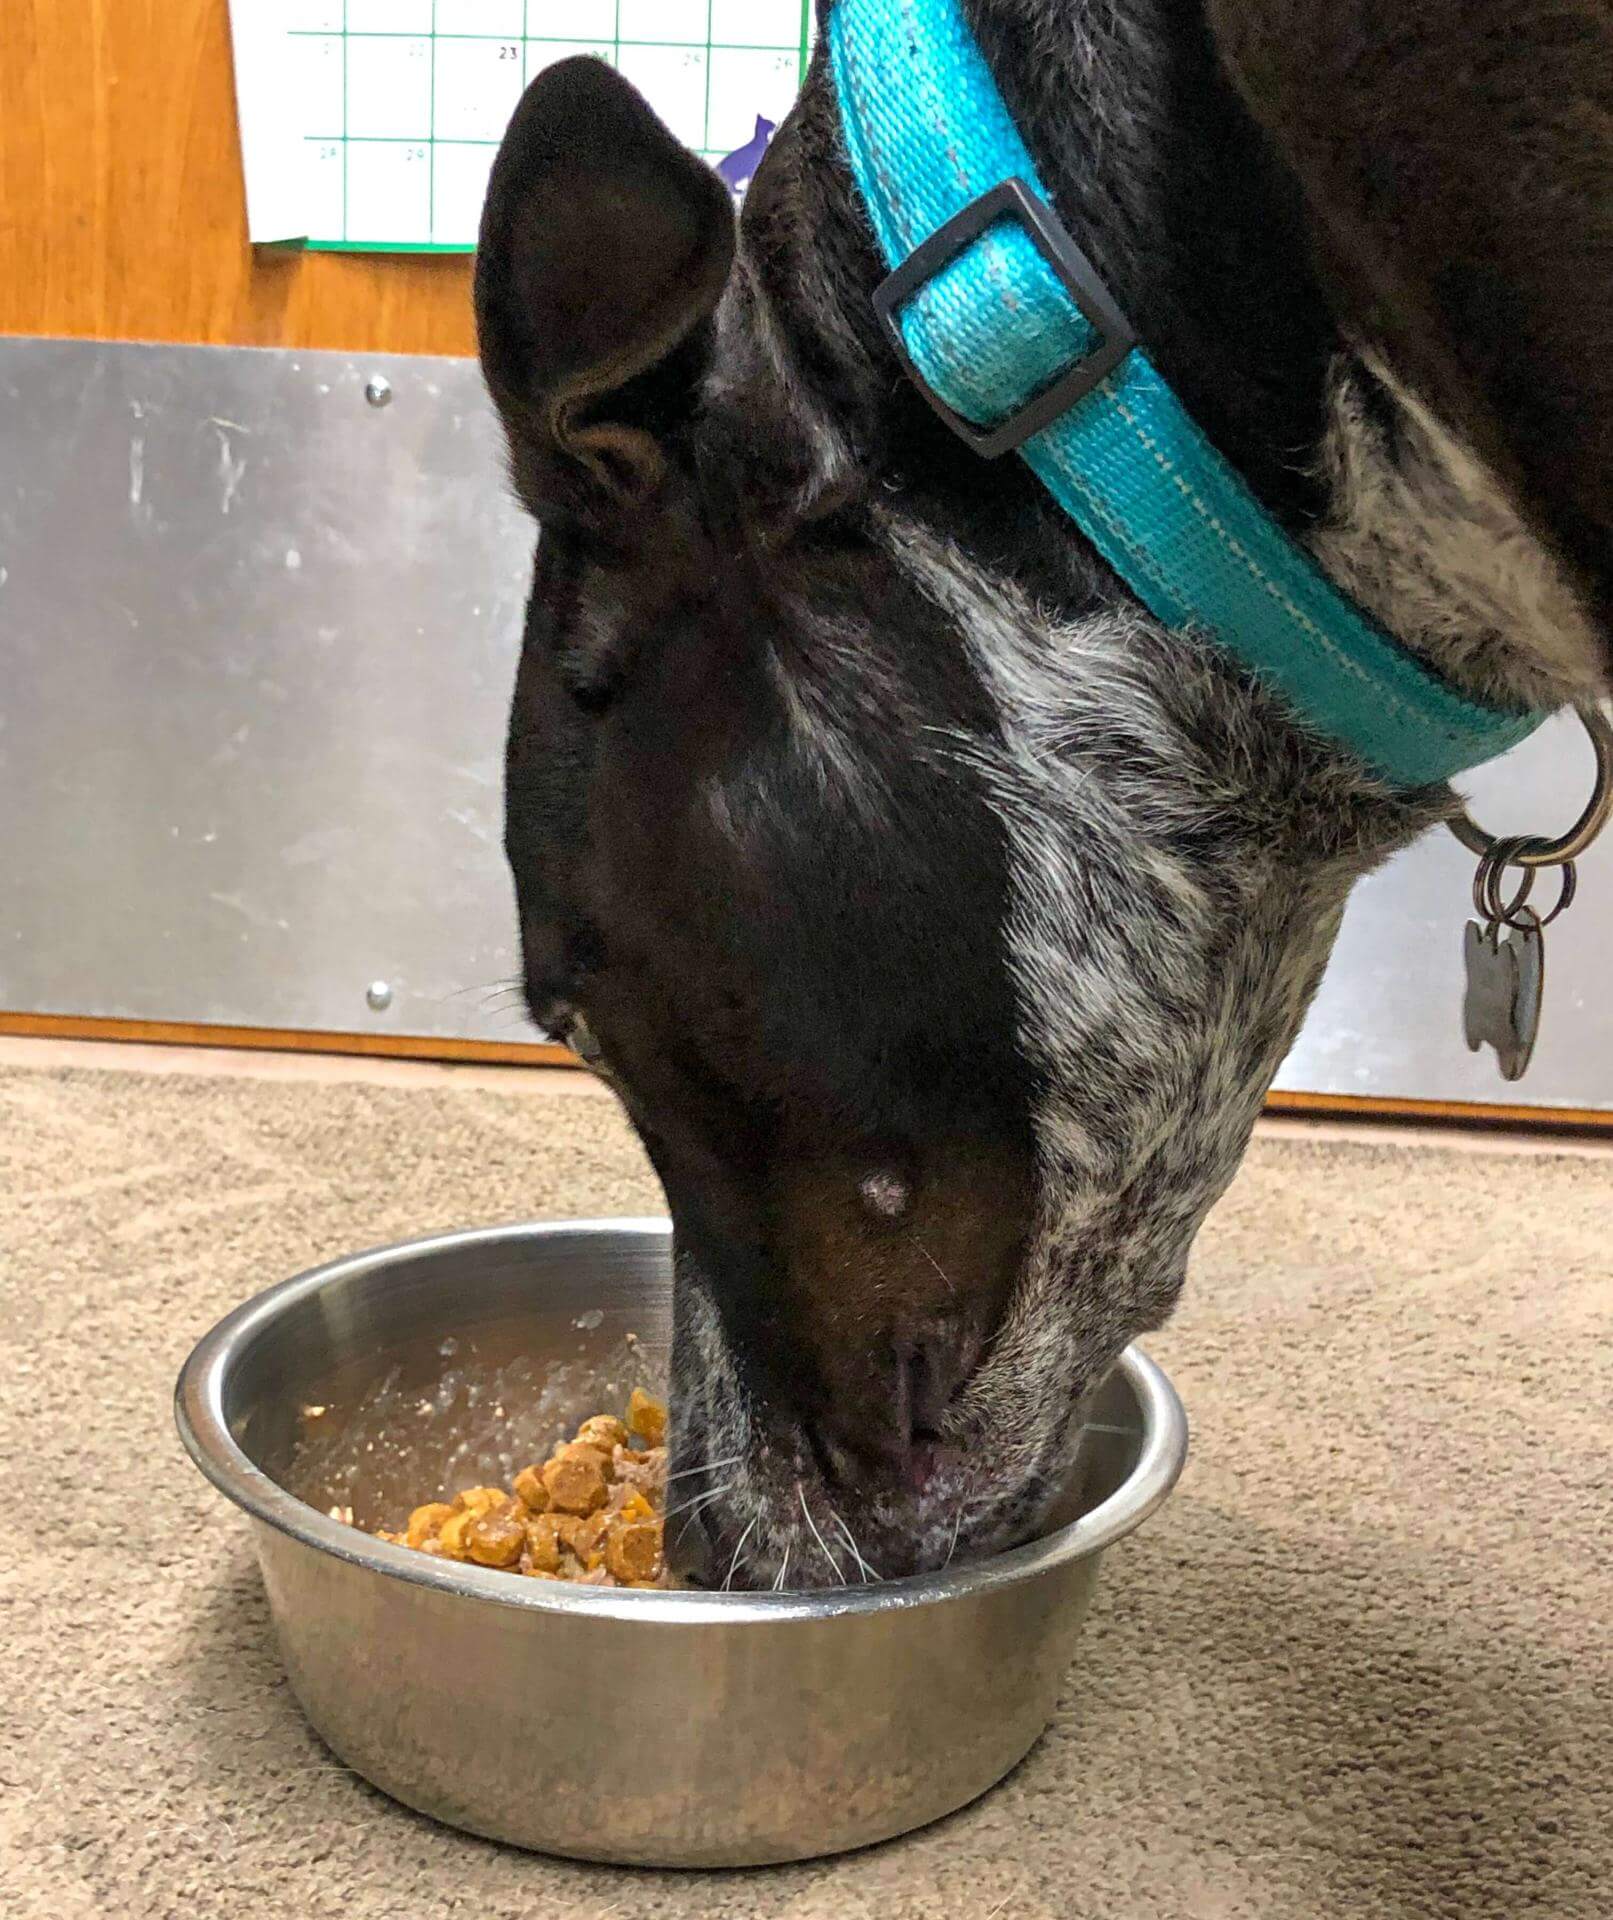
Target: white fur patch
1153 1013
1422 536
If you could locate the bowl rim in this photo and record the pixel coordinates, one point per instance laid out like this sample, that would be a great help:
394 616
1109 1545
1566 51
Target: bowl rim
199 1414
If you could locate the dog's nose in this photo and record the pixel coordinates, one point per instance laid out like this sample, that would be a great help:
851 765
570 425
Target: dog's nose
895 1426
928 1373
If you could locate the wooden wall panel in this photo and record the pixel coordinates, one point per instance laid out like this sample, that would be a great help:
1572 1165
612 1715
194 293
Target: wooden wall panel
122 211
123 216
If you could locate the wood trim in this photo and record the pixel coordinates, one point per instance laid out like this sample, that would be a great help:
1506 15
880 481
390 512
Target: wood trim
1460 1113
122 207
176 1033
390 1046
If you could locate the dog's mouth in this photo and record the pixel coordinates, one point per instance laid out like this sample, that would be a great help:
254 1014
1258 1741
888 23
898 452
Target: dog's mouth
772 1517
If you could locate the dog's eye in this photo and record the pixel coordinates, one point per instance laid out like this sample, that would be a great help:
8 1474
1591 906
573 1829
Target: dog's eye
561 1021
580 1038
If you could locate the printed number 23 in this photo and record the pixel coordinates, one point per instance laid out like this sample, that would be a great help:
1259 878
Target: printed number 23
509 53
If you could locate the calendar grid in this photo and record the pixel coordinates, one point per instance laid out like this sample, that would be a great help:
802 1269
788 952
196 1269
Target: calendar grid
705 135
346 149
401 163
544 39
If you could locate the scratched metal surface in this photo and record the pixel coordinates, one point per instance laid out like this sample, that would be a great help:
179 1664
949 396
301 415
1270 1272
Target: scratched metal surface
1388 1019
256 641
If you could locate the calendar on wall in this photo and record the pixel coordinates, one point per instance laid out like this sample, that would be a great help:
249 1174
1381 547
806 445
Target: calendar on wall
371 125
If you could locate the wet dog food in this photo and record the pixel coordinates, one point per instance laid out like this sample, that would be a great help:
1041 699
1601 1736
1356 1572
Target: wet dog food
593 1512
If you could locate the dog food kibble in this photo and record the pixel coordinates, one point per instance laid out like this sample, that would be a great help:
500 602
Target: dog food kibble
425 1523
633 1552
529 1490
453 1537
647 1417
544 1546
496 1540
575 1478
594 1512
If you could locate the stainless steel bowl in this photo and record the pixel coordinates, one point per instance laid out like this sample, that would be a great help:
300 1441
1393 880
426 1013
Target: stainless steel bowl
667 1729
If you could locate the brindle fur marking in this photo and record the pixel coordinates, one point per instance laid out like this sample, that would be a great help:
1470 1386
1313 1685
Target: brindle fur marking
874 828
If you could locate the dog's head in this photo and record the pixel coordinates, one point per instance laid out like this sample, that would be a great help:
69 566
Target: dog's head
938 919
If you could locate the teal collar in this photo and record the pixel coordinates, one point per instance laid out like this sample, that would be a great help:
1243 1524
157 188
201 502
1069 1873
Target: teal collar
1010 335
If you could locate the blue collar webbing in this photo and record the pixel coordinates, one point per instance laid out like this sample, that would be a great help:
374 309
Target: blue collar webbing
1011 336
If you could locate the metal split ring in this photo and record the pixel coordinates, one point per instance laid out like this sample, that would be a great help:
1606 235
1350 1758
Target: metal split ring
1531 851
1495 910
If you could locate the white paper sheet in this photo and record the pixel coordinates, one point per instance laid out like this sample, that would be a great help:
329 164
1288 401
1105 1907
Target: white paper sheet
371 125
271 141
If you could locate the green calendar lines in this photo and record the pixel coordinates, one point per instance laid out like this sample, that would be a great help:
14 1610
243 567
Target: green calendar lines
403 103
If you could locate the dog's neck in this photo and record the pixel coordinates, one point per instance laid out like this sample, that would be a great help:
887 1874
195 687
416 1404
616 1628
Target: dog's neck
1191 220
1425 539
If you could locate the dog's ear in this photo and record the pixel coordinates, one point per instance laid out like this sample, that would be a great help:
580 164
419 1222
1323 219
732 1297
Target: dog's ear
604 249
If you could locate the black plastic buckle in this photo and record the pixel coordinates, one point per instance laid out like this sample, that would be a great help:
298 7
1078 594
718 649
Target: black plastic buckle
1012 200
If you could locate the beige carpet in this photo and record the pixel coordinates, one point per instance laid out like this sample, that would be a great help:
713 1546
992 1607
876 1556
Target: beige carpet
1362 1665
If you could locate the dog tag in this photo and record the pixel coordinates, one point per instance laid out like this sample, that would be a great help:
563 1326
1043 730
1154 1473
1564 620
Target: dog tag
1506 979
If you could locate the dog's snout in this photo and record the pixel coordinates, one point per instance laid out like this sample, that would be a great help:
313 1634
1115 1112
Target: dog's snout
896 1428
929 1372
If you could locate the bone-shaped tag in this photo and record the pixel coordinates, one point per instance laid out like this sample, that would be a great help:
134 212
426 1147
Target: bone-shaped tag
1505 982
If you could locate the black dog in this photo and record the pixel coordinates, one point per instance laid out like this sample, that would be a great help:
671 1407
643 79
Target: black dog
940 916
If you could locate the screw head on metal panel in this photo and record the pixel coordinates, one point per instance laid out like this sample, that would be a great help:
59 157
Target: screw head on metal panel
379 995
378 390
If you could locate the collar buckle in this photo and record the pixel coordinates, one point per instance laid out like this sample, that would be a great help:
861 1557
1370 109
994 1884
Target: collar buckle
1011 200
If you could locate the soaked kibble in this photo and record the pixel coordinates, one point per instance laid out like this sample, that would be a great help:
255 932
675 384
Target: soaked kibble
496 1540
588 1543
575 1479
571 1529
592 1514
480 1500
646 1416
530 1490
646 1470
543 1544
454 1537
426 1522
633 1552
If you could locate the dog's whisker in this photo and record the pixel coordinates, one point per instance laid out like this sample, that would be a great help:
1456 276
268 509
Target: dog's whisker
488 988
845 1534
733 1565
869 1572
946 1278
823 1544
711 1466
783 1570
957 1529
507 1016
699 1500
695 1506
1097 1426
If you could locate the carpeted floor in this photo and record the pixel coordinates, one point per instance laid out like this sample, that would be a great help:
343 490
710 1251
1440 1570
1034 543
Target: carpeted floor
1361 1665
